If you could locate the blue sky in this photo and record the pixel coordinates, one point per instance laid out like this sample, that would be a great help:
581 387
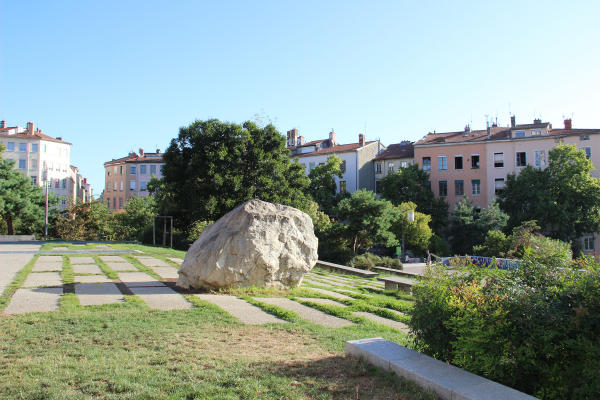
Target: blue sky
114 76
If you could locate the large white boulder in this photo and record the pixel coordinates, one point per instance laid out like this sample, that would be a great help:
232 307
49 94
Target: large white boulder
257 244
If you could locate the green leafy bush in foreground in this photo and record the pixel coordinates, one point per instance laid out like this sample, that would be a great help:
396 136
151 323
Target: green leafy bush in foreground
536 328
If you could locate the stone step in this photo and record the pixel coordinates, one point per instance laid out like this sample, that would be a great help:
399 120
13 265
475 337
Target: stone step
161 298
34 300
95 294
242 310
388 322
308 313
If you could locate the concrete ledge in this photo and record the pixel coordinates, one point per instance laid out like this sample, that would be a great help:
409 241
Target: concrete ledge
393 283
397 272
447 381
342 269
17 238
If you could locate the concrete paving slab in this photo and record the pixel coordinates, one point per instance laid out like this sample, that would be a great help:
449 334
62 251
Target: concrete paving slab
242 310
122 266
323 301
331 282
176 260
332 294
102 245
311 282
78 245
10 265
112 259
96 294
138 279
34 300
162 298
87 269
309 314
43 279
59 248
379 351
91 279
353 291
47 266
388 322
166 272
82 260
153 262
49 259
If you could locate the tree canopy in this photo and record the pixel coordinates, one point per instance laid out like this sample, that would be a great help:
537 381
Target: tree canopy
322 187
411 184
213 167
564 198
416 233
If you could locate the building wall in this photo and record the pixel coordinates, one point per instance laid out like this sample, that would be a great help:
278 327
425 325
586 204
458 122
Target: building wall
122 174
366 170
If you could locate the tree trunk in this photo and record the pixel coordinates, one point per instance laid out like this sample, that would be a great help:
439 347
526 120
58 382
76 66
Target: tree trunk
11 230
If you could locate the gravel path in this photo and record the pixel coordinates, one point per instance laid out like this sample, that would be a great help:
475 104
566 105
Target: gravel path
310 314
245 312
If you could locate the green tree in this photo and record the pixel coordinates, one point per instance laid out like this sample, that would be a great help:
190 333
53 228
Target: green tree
322 187
411 184
137 214
213 167
564 197
416 233
19 197
85 221
367 221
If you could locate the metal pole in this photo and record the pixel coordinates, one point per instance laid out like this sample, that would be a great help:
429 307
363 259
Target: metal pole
402 254
154 231
164 232
171 232
46 224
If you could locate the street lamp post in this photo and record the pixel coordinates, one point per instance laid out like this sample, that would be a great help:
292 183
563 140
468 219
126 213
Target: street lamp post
410 216
46 223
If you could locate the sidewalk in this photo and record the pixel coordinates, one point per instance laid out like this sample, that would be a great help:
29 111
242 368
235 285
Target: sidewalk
13 257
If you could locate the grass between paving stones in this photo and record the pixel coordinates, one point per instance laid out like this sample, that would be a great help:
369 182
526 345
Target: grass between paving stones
71 246
17 282
128 351
150 249
105 268
67 274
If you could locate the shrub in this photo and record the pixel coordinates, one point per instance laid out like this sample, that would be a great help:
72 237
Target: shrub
196 229
438 247
393 263
535 328
365 261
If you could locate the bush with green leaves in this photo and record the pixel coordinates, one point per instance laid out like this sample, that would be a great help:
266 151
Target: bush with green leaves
367 261
438 247
393 263
535 328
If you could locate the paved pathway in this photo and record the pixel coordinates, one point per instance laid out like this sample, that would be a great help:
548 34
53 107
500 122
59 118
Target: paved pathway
394 324
96 294
322 301
332 294
34 300
161 297
244 311
310 314
311 282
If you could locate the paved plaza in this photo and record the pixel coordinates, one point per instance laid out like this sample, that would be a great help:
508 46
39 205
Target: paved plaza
151 278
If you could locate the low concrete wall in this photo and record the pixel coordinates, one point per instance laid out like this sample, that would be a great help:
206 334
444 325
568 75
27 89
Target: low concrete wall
447 381
16 238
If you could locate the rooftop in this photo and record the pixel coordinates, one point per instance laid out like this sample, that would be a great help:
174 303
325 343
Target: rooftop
398 150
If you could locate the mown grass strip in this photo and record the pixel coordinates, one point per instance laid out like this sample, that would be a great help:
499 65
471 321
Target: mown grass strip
67 274
105 268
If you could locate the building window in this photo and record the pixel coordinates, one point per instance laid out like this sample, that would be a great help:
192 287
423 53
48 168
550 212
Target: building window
121 186
120 170
390 167
588 243
50 166
521 159
131 185
321 164
459 188
64 167
10 146
22 146
536 132
426 163
120 202
43 148
132 170
311 166
474 161
34 147
343 166
64 183
143 186
108 186
57 183
115 169
519 133
66 152
64 202
108 171
34 180
342 186
22 164
458 164
115 186
476 187
498 160
162 166
588 152
377 168
377 187
539 158
442 163
584 138
142 169
153 169
443 188
34 164
108 203
404 164
498 186
44 165
114 202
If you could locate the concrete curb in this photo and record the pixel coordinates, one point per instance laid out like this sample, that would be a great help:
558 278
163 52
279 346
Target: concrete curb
447 381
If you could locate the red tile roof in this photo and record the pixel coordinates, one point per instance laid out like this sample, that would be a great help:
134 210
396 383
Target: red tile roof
340 148
460 137
397 151
36 134
135 158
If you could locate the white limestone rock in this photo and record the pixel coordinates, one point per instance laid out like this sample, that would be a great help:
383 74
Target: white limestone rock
258 243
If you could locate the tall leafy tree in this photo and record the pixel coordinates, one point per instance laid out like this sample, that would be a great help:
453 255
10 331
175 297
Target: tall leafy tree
213 166
564 198
322 187
367 221
416 233
19 197
85 221
411 184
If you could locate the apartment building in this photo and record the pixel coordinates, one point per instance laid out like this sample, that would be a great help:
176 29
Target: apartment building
394 157
476 163
357 166
42 158
128 176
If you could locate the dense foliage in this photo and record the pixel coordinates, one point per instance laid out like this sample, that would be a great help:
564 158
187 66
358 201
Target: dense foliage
367 261
536 328
322 187
416 233
85 221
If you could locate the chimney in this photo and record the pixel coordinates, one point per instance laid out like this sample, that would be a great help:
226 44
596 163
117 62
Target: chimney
85 181
489 130
157 151
292 137
568 124
537 121
361 140
59 138
2 124
467 128
300 140
141 151
513 121
30 128
332 141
